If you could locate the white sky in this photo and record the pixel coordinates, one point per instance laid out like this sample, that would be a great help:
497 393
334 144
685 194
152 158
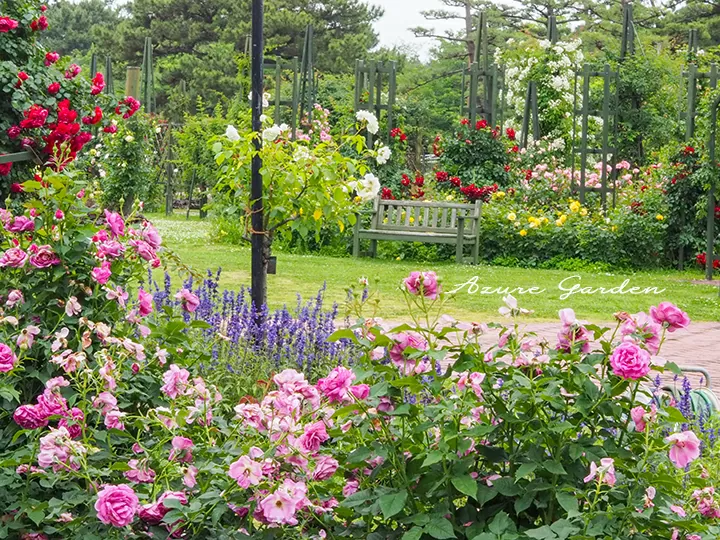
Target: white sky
403 14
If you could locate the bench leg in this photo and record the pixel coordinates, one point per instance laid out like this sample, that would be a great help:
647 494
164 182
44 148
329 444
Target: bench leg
476 251
460 242
373 248
356 239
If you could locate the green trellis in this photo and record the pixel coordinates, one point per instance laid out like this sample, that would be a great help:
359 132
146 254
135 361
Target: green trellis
109 84
308 84
283 73
147 84
371 77
606 146
483 82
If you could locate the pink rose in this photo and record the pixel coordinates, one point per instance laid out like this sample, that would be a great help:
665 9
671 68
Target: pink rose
630 361
605 473
7 358
360 391
325 467
116 505
29 417
189 477
115 222
423 283
670 316
144 249
246 472
638 416
181 449
189 301
351 486
139 472
101 273
311 439
44 257
145 301
685 448
645 328
176 381
14 258
337 384
155 512
21 224
110 248
113 420
105 401
151 235
404 341
15 297
73 422
278 508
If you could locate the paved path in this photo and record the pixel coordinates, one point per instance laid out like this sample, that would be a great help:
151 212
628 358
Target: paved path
697 345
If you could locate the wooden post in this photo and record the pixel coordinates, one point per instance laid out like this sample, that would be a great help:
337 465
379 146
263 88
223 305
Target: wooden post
132 82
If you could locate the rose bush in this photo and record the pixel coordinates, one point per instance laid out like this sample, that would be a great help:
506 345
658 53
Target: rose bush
109 428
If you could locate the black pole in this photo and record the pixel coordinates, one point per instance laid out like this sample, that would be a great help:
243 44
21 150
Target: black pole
258 268
710 251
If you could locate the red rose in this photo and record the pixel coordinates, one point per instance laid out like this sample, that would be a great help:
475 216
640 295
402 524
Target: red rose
54 88
5 168
35 117
98 84
13 131
16 188
510 132
7 24
465 122
112 128
51 58
419 181
442 176
481 124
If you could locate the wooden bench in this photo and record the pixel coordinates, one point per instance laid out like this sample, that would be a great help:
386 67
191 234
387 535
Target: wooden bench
420 221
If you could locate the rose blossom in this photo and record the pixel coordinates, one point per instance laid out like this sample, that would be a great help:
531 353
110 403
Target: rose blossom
101 273
115 222
145 301
139 472
324 468
14 258
360 391
29 417
151 235
21 224
423 283
311 439
606 472
246 472
190 302
72 307
113 420
116 505
405 340
155 512
73 422
337 384
630 361
685 448
44 257
176 381
181 449
8 359
670 316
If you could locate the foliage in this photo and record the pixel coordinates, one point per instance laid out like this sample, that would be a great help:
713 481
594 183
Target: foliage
478 154
46 105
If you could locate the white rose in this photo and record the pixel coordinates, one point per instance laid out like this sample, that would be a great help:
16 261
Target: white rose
231 133
301 153
368 187
129 138
271 134
383 155
372 122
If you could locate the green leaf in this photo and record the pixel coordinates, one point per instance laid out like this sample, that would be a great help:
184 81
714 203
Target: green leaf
439 528
507 487
432 458
413 534
525 470
392 503
524 502
500 524
36 516
486 494
568 501
542 533
465 485
554 467
563 528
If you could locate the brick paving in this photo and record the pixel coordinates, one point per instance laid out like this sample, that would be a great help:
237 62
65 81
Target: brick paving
697 345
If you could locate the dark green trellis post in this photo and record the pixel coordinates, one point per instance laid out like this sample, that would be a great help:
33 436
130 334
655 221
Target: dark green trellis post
607 149
627 45
531 114
372 76
693 44
109 85
147 87
552 29
307 76
93 65
710 240
275 70
693 78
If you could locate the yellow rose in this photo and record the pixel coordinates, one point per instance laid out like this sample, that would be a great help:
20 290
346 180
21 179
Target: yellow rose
613 228
559 222
517 223
511 216
523 233
534 224
563 218
659 217
583 212
499 195
412 219
574 206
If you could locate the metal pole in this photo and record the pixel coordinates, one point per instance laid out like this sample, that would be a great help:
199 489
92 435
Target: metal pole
258 268
710 248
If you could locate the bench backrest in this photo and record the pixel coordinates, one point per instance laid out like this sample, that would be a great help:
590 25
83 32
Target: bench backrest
424 216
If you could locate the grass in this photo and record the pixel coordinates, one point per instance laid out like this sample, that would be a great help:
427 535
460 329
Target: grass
305 275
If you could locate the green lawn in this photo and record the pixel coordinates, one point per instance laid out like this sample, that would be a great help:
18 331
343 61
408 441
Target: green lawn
305 274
